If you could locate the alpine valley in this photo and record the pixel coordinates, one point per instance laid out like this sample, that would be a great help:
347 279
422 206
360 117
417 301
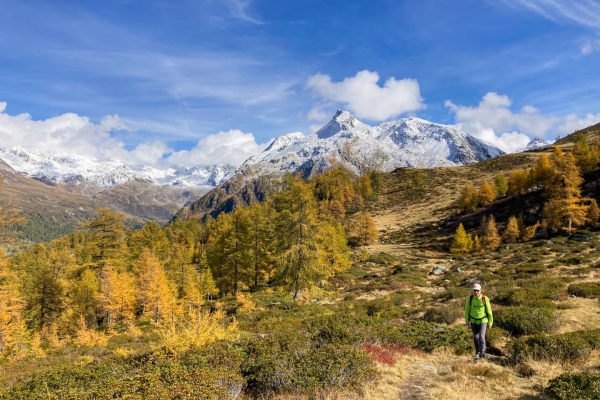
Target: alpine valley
58 190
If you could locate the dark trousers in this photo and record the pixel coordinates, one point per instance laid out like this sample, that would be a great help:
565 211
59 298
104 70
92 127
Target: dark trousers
479 337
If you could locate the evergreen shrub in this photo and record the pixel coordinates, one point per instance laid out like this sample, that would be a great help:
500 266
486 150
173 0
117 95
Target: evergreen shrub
574 386
563 348
526 320
585 289
447 314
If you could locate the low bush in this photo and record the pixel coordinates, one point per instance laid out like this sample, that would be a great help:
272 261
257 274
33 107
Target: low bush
134 379
526 320
575 386
289 362
563 348
494 339
585 289
426 336
445 314
382 258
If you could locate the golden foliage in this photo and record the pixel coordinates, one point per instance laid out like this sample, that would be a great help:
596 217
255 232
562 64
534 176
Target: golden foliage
196 329
512 233
86 337
462 242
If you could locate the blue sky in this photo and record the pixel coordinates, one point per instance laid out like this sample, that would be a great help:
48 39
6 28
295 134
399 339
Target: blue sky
197 82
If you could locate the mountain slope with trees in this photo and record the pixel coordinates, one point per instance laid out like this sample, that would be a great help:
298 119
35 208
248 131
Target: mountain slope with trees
336 286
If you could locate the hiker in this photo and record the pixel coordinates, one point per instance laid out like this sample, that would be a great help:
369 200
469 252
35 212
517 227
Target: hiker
478 316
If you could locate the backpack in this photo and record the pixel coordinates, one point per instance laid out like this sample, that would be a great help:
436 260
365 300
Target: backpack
484 307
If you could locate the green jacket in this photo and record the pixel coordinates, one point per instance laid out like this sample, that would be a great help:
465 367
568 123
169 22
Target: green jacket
476 314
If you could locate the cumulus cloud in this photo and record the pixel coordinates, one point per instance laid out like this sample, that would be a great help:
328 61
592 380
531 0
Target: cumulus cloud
493 121
73 134
365 98
572 122
231 147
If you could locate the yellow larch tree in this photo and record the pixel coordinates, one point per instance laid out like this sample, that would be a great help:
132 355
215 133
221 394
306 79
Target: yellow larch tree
512 232
564 208
486 194
462 242
490 239
154 295
364 230
117 295
468 198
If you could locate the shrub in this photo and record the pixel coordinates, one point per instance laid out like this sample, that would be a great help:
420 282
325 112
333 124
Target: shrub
445 314
290 362
526 320
578 386
585 289
427 336
563 348
143 379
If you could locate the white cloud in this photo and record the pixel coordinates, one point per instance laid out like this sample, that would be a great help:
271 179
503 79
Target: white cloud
493 121
73 134
365 98
581 12
231 147
573 123
238 9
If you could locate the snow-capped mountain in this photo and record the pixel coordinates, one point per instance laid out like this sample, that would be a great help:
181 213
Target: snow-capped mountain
347 141
96 175
536 143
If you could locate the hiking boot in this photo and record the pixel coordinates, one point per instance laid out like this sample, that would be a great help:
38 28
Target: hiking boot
477 357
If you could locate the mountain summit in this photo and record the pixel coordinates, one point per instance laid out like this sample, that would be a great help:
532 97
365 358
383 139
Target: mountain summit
357 146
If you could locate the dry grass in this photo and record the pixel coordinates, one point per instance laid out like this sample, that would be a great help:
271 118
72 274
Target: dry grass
585 314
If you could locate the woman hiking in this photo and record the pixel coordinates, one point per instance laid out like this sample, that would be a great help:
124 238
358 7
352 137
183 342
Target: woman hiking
478 316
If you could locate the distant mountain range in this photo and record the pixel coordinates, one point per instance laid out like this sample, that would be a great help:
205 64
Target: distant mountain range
89 175
351 144
148 193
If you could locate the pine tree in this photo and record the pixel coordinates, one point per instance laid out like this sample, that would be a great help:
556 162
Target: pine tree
489 238
468 198
486 194
152 237
462 242
512 233
476 248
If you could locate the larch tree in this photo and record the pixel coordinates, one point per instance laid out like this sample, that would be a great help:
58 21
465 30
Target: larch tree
299 228
13 332
468 198
153 291
543 171
117 295
486 194
84 297
44 291
364 230
517 183
490 239
512 232
564 208
500 184
462 242
586 157
106 238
